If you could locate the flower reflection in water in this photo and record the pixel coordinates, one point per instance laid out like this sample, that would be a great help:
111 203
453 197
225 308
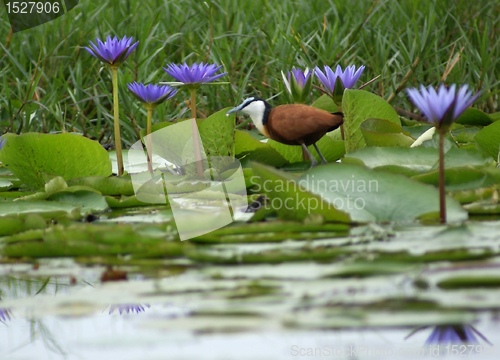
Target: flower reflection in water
452 334
5 315
128 308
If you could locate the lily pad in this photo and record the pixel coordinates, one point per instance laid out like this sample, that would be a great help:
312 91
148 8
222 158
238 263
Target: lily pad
376 196
358 106
217 135
289 200
31 155
420 159
331 149
379 132
325 102
488 139
252 149
459 178
473 116
106 185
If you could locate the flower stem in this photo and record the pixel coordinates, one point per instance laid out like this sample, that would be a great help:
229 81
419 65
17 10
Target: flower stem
442 199
148 140
196 135
118 141
339 109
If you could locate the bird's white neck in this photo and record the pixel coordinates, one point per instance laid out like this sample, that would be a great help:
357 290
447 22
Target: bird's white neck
256 110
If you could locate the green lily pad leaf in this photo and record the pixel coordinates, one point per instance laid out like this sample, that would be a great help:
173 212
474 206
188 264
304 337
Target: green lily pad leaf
89 201
470 282
157 126
483 208
459 178
473 116
465 135
368 195
471 157
495 116
419 159
106 185
252 149
217 135
130 201
325 102
416 130
5 184
289 200
331 149
488 139
133 162
10 225
46 208
359 105
379 132
31 155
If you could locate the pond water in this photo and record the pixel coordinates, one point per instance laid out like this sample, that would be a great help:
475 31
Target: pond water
356 296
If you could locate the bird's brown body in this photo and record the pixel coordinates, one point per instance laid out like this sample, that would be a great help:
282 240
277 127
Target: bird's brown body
297 124
292 124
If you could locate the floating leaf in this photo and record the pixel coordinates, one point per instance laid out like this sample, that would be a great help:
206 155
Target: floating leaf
459 178
289 200
419 159
376 196
488 139
379 132
359 105
106 185
325 102
217 135
473 116
252 149
31 155
331 149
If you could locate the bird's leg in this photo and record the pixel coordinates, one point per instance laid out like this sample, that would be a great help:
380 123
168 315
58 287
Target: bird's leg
323 160
314 162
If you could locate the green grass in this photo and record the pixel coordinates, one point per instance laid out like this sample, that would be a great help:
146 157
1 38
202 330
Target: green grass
49 83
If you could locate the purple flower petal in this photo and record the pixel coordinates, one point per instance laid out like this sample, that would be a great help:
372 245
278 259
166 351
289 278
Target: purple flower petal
444 106
349 76
151 94
195 73
114 51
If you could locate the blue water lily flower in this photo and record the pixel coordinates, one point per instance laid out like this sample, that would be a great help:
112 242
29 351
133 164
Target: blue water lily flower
194 74
336 82
442 107
151 94
298 84
113 51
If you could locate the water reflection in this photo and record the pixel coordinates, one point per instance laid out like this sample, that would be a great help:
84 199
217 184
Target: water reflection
457 334
452 334
5 315
128 308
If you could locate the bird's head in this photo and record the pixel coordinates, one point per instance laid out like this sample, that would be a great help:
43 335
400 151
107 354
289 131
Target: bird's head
257 108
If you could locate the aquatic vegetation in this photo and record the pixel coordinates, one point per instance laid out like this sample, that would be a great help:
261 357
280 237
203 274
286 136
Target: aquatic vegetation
151 96
441 109
113 52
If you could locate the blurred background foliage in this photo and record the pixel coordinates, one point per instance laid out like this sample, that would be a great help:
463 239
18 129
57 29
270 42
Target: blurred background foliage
49 83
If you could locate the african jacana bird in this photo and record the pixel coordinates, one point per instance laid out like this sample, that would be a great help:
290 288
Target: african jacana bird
293 124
